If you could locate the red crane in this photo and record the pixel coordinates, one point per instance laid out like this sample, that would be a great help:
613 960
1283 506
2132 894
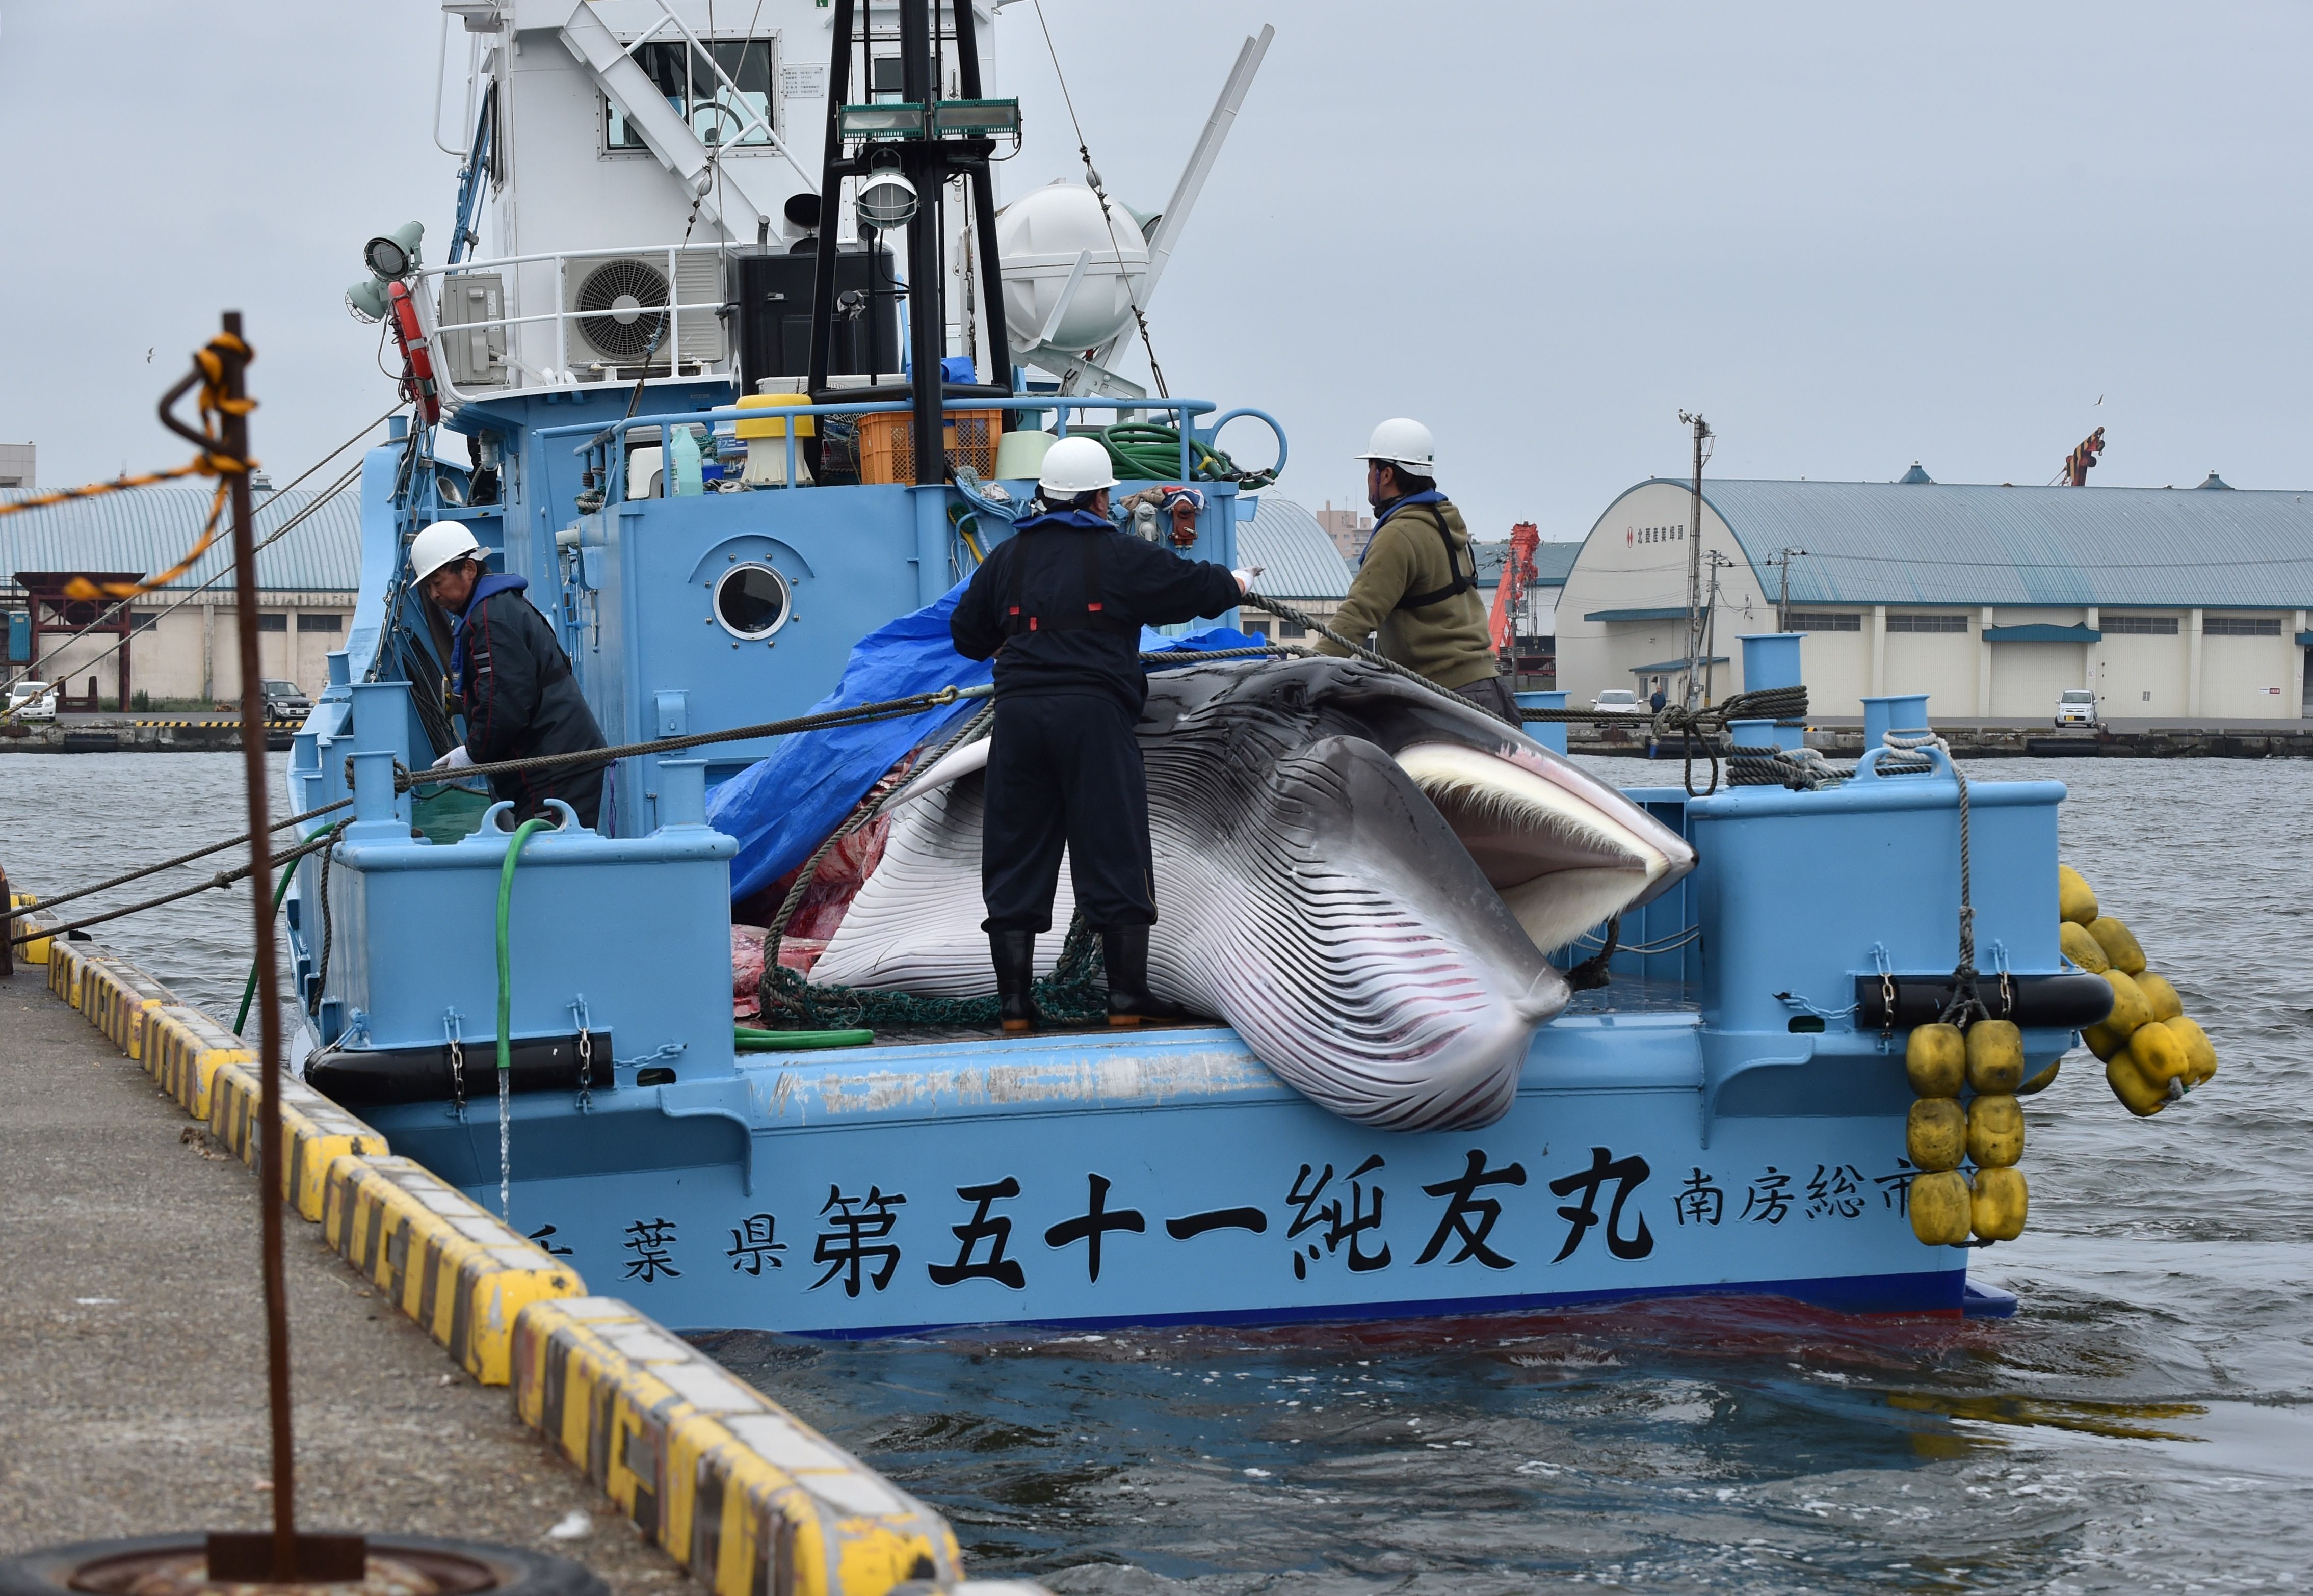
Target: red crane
1518 572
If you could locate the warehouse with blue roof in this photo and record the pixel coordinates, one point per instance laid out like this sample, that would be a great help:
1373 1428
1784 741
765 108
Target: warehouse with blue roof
181 648
1993 601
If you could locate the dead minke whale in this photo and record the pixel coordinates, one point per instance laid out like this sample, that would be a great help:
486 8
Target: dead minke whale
1360 875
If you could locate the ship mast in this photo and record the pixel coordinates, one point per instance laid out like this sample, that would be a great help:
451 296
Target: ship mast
929 141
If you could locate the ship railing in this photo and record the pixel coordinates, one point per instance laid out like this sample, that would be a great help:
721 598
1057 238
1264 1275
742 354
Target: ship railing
604 449
561 373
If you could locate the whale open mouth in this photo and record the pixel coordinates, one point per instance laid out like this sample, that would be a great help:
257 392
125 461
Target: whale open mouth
1360 876
1561 860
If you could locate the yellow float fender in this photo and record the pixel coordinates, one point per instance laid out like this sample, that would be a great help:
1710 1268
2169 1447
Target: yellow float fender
2076 900
2140 1096
2200 1053
1942 1208
2082 949
2001 1201
1995 1055
1935 1134
2159 995
2129 1007
1995 1132
1935 1059
2158 1054
2041 1081
2119 944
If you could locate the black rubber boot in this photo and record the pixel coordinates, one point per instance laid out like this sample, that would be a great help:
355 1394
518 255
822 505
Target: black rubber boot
1013 953
1124 950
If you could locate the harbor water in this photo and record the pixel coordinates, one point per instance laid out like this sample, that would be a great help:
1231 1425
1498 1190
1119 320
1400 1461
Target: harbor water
2144 1423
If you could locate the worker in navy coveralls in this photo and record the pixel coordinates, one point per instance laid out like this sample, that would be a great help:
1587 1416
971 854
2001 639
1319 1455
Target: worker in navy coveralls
1060 605
512 680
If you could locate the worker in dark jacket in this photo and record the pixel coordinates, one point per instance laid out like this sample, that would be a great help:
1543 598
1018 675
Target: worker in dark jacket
514 682
1060 604
1416 582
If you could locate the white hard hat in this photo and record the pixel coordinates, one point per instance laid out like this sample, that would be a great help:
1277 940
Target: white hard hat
1076 465
438 545
1403 441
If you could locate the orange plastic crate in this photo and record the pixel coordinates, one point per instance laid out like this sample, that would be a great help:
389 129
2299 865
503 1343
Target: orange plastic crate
887 443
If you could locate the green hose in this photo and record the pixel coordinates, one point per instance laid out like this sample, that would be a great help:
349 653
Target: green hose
1150 451
280 895
748 1040
506 962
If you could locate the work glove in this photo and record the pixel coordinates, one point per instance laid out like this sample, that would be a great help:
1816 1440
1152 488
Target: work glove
1244 576
457 758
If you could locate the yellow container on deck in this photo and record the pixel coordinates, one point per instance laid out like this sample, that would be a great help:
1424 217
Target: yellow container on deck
774 427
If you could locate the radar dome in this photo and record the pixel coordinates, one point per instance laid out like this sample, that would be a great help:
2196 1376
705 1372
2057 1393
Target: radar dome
1040 237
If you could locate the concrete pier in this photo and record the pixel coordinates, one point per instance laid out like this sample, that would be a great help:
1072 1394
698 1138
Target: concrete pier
134 1342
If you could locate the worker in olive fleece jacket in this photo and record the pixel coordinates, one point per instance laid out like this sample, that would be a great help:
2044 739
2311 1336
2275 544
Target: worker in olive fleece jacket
1417 584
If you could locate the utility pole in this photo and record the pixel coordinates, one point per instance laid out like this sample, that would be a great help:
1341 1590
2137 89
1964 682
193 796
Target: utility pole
1783 601
1719 562
1694 605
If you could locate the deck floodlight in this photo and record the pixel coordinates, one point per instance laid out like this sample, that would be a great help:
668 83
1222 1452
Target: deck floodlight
899 120
886 199
976 118
391 255
365 300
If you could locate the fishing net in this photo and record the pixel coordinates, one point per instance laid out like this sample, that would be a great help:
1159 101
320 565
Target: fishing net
1075 994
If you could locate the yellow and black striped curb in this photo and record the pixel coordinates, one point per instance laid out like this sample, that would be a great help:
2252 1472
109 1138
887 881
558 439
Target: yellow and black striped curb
35 952
116 998
458 1270
315 1133
184 1049
746 1496
227 725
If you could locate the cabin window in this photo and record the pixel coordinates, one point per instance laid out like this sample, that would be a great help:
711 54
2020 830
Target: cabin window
2139 626
2240 626
1927 623
1824 620
715 114
751 601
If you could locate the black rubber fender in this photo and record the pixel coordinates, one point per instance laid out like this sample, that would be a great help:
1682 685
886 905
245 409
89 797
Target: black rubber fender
511 1571
2064 1002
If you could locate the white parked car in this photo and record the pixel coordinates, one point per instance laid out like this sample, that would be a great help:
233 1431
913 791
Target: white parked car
1622 698
32 701
2076 707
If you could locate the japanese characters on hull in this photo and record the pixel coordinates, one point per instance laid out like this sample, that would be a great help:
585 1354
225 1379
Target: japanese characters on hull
1147 1221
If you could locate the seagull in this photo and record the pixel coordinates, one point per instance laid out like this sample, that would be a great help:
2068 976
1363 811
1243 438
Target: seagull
2099 400
148 354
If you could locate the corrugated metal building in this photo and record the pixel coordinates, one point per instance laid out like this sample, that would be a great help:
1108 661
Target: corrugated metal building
307 583
1993 601
1301 566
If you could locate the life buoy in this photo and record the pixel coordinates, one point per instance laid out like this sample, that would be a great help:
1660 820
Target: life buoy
416 356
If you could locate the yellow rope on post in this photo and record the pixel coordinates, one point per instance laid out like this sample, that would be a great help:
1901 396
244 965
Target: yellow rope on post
209 374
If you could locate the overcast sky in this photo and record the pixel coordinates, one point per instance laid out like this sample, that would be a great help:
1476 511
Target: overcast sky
1852 236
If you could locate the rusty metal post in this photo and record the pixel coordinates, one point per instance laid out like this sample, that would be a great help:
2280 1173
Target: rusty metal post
236 439
7 928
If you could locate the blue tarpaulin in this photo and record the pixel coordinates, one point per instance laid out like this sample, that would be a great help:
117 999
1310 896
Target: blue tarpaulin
782 807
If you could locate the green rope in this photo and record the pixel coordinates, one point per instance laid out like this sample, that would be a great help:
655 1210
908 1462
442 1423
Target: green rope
280 894
1076 994
748 1040
1147 451
521 834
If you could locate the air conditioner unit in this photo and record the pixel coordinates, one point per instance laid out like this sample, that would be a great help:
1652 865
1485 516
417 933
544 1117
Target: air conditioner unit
623 321
475 357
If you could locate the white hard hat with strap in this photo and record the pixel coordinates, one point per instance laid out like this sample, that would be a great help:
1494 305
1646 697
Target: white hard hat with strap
1402 441
438 545
1073 466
